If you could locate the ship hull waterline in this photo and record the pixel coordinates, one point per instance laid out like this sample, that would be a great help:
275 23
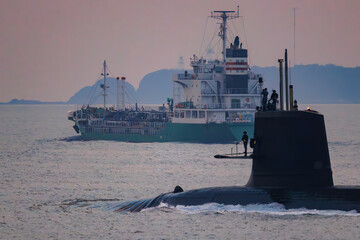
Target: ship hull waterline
180 132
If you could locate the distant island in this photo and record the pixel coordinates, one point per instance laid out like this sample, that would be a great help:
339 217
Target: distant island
22 101
323 84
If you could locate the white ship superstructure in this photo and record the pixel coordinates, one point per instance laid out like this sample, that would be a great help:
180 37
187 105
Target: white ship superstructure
219 90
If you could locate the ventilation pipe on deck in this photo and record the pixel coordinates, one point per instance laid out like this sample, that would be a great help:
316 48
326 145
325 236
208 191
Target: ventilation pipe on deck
286 81
291 97
281 84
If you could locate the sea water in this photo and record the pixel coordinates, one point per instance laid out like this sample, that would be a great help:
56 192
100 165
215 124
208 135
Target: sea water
53 185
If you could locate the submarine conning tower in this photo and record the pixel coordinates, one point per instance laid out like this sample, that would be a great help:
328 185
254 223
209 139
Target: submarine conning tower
291 151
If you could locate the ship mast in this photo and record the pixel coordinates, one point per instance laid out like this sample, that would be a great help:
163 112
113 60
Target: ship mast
224 16
104 86
123 93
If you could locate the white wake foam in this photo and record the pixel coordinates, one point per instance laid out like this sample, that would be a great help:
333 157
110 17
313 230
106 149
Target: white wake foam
271 209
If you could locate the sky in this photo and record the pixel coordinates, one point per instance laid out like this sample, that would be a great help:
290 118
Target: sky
50 49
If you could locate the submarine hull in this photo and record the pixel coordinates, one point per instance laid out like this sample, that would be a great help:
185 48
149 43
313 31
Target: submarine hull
291 166
333 198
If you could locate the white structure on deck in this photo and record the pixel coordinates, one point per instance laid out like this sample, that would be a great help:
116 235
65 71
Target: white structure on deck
219 90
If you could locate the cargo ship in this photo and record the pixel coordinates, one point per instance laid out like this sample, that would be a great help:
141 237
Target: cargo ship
218 103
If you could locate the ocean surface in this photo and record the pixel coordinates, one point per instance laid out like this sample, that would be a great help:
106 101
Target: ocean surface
46 171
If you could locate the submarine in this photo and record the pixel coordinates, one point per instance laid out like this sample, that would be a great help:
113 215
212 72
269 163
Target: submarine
290 166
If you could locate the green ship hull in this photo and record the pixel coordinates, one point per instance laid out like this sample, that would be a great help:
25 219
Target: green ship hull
177 132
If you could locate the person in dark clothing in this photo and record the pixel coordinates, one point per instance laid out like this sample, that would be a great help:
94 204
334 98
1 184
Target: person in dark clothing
274 95
254 143
273 99
245 140
264 94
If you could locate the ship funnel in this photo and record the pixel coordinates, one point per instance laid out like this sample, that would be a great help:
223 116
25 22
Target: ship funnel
236 42
291 150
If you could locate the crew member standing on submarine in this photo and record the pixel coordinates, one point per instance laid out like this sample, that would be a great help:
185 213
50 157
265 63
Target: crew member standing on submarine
273 98
245 140
264 94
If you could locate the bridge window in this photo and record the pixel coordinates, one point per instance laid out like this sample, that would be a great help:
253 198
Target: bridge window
235 103
194 114
218 69
181 114
201 114
188 114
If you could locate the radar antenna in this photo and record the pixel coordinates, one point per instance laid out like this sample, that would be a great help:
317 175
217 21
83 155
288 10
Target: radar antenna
224 16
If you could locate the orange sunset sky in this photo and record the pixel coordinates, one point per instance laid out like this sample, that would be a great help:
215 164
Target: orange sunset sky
49 49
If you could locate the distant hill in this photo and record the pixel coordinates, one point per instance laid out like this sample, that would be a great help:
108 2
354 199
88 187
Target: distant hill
93 94
156 87
22 101
318 83
312 84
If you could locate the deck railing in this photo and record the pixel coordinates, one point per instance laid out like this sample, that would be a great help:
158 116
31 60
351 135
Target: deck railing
220 106
229 91
107 130
183 76
127 124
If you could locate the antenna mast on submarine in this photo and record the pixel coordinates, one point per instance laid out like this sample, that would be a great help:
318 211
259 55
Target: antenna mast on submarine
224 16
294 32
